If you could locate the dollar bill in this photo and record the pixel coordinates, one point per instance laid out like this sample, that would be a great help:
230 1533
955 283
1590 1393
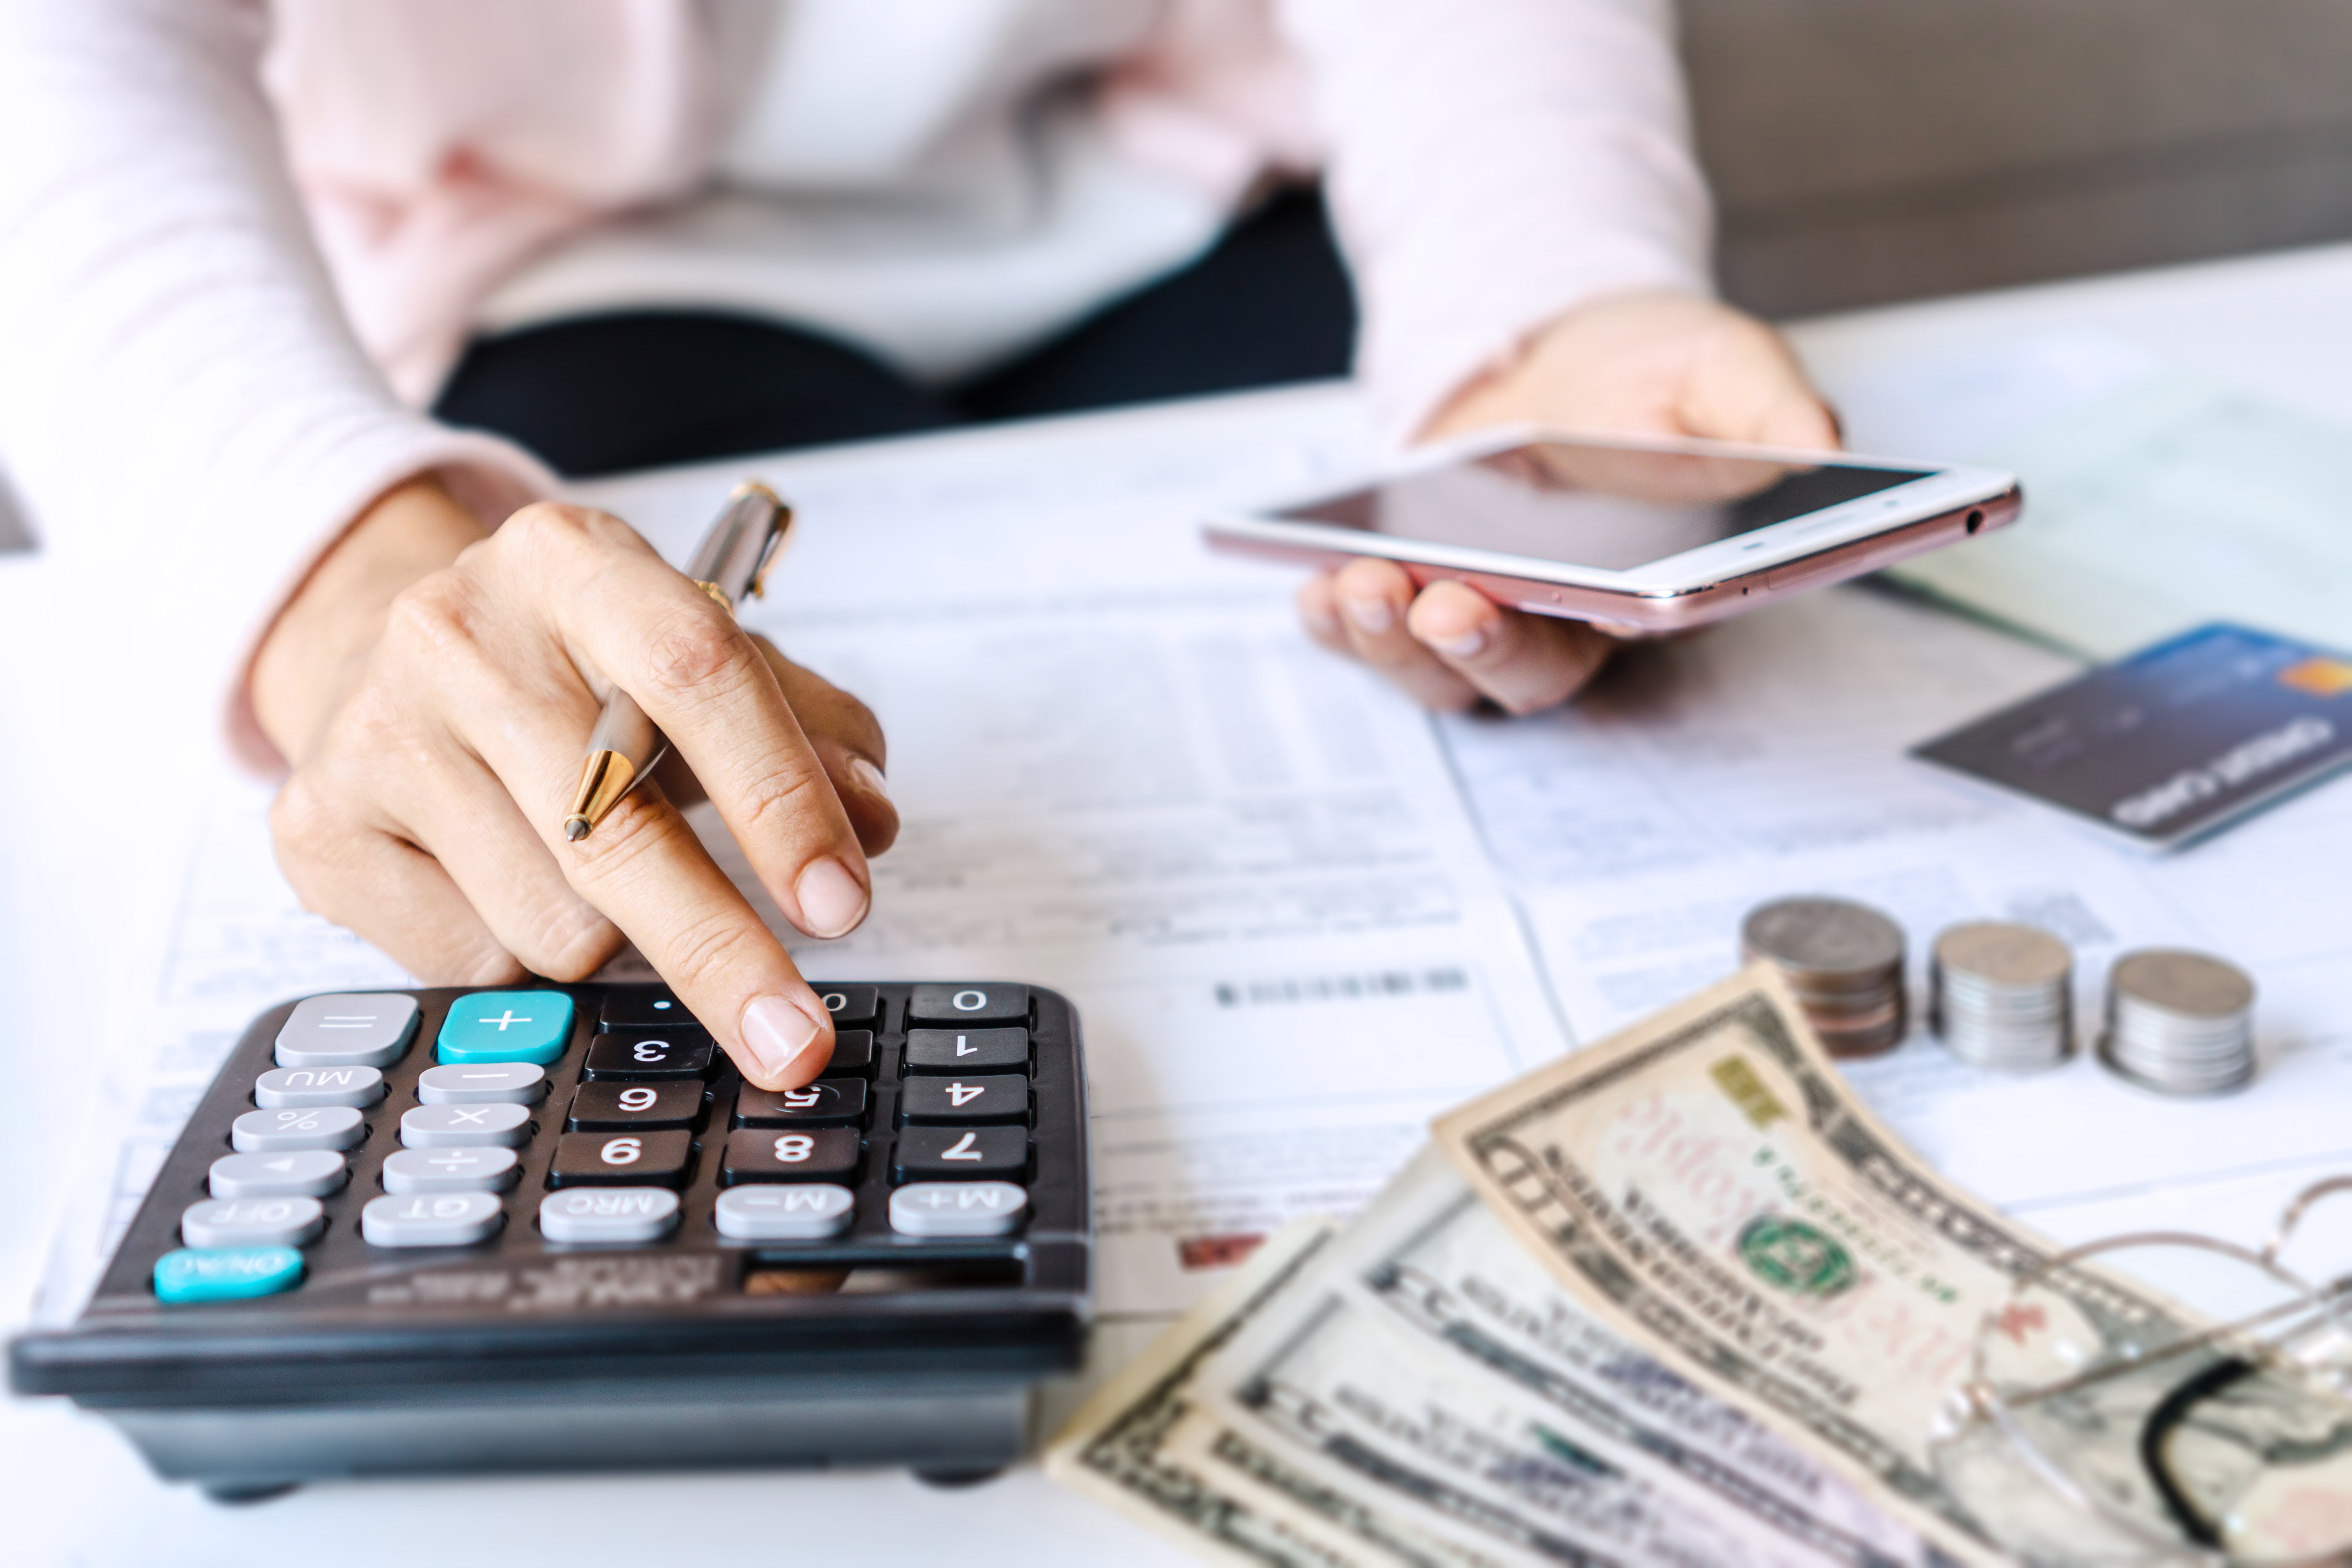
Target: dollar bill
1418 1390
1709 1188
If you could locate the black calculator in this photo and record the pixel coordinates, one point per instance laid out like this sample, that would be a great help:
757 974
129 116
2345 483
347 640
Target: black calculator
449 1231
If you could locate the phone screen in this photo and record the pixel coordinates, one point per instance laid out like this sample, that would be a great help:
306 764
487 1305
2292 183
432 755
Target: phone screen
1608 508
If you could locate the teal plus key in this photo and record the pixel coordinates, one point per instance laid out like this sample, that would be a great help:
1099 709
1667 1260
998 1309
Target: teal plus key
507 1027
225 1273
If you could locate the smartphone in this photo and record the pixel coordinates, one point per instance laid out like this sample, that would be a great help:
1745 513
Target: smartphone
1636 536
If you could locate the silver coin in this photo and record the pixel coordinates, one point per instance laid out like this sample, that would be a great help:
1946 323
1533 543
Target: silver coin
1845 963
2192 983
1823 943
2181 1023
2000 995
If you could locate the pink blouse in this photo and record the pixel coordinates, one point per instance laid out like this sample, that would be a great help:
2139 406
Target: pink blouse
239 246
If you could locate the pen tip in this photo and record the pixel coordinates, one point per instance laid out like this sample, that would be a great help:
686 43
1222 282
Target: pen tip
575 828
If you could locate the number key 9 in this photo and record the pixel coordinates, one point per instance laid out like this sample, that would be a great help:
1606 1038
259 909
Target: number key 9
608 1106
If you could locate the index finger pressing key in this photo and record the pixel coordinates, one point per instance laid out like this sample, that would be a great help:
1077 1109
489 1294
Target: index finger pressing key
699 677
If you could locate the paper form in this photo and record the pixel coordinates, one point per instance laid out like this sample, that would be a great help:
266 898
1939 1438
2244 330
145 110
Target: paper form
2156 500
1123 774
1765 758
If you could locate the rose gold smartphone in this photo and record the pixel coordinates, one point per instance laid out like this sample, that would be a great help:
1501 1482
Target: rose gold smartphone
1634 536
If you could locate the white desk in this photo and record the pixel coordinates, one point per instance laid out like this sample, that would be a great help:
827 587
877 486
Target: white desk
2281 324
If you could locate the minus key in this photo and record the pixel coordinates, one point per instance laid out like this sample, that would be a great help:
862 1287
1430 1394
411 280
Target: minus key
482 1083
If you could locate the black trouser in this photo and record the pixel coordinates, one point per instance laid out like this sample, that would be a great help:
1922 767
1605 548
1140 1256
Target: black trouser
596 394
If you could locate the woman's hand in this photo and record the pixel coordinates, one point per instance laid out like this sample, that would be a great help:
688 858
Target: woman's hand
1636 364
433 688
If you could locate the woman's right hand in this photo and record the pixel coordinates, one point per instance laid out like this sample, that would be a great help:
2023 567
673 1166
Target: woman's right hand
433 689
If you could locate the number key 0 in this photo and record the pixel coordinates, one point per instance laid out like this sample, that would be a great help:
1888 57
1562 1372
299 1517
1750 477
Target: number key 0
621 1159
764 1154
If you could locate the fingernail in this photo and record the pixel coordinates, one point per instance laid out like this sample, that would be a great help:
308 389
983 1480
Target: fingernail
1320 620
1371 615
831 900
1466 645
862 770
777 1033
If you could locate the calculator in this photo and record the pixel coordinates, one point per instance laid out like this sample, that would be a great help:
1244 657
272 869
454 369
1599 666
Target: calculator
451 1231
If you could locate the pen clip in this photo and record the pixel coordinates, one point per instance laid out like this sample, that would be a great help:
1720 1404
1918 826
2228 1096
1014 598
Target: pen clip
758 585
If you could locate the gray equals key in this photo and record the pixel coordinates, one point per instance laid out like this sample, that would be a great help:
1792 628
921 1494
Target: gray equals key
353 1028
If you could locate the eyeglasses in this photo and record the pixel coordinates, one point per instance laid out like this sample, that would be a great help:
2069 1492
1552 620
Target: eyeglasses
2093 1431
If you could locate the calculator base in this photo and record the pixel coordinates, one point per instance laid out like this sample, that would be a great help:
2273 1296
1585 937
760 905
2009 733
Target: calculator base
945 1427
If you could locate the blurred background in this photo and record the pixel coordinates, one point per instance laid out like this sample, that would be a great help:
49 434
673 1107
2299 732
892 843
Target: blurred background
1864 152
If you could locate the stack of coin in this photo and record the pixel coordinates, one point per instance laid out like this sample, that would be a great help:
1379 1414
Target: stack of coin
2001 995
1843 960
2179 1022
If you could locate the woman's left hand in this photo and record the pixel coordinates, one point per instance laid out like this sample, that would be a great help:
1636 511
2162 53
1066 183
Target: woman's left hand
1635 364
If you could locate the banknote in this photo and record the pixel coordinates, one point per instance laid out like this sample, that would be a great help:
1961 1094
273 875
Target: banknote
1708 1186
1416 1389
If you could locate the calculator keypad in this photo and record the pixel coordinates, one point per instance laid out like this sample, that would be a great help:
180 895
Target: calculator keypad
612 1153
621 1159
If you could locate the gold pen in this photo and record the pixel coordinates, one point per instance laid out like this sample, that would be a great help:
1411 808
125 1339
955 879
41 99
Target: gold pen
732 561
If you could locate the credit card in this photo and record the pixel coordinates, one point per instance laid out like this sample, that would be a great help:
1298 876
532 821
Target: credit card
2174 742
